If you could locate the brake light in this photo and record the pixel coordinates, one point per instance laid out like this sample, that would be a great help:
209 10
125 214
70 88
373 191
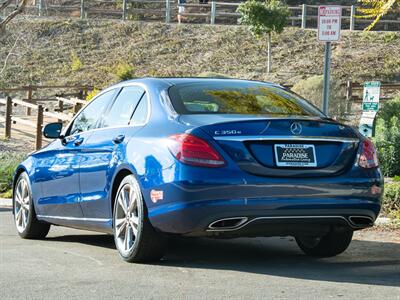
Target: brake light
367 156
192 150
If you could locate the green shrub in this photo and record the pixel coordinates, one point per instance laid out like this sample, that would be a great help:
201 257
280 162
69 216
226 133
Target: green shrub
391 200
8 163
76 63
311 89
387 137
124 71
390 37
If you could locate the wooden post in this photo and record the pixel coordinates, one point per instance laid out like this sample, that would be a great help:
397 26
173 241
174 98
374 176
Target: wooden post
167 11
213 12
60 108
39 124
77 107
303 16
349 95
82 9
29 99
352 17
124 9
7 131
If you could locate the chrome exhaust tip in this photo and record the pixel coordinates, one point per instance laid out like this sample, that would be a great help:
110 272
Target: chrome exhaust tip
361 221
227 223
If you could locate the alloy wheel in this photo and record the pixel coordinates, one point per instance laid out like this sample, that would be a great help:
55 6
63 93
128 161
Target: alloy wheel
21 205
127 218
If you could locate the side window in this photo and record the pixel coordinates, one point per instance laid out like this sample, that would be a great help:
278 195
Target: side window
140 115
123 107
88 117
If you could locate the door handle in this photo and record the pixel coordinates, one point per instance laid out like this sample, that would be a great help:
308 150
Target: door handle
77 142
118 139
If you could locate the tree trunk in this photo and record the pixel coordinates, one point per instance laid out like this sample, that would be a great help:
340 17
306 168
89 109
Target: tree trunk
19 9
269 66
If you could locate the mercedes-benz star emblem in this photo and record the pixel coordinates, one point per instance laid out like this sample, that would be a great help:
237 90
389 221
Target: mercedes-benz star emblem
296 128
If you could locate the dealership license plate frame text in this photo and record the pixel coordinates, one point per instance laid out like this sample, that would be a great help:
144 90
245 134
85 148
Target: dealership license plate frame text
295 155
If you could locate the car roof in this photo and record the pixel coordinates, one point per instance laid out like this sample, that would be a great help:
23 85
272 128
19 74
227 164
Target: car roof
178 80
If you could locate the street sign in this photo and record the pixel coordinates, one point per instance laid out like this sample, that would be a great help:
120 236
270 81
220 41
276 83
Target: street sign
370 107
371 96
329 23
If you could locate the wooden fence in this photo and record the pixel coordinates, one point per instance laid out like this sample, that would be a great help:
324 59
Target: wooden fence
212 12
42 113
37 123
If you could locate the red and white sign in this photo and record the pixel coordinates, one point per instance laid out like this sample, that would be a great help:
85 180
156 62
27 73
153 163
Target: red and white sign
329 23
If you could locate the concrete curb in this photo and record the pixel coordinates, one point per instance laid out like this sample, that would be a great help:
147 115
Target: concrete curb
4 202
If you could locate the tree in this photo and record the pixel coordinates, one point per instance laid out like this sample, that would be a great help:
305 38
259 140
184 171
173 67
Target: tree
264 18
19 8
377 9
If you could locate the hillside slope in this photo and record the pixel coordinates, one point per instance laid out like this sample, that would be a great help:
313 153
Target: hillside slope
86 52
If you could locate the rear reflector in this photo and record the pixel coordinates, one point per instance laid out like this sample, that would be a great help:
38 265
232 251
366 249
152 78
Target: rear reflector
367 156
192 150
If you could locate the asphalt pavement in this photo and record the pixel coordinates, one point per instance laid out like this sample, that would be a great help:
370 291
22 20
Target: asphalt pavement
73 264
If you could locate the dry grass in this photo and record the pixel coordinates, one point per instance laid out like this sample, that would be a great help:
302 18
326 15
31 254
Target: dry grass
42 54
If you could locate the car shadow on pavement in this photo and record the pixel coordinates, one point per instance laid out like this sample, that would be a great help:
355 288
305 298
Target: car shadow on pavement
365 262
100 240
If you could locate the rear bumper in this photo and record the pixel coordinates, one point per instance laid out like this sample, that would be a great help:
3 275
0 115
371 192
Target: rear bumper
190 205
194 218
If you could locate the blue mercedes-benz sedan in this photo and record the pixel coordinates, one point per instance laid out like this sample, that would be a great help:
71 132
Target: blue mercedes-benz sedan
157 157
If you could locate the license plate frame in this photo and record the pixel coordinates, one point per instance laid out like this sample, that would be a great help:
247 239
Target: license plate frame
295 155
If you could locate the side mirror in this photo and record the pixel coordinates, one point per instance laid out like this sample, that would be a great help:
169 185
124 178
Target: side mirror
52 130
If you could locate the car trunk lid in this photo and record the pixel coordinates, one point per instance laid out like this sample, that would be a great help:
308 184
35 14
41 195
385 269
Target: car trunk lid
282 147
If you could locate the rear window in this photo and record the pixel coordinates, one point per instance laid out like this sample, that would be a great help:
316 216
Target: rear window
238 98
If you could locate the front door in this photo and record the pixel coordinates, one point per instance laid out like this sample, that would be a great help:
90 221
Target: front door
57 173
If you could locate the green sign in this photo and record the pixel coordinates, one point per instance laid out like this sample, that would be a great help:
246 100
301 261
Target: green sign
371 96
368 106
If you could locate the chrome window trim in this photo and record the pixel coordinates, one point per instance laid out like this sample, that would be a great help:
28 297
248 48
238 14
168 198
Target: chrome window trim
243 138
119 86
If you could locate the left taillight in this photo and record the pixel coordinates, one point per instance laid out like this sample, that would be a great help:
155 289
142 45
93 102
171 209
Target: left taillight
367 156
192 150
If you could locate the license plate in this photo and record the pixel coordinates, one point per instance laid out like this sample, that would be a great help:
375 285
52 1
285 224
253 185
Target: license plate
295 155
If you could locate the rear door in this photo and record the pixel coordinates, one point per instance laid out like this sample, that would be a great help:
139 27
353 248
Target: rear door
105 150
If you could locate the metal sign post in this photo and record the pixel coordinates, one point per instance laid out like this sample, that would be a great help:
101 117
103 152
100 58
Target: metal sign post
327 78
329 24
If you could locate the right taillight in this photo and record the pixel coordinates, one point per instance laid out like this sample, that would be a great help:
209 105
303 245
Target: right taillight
367 156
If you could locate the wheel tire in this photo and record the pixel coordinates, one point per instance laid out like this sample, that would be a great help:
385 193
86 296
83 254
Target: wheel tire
28 226
147 244
332 244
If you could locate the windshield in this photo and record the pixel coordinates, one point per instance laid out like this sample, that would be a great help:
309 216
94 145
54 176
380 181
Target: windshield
235 97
